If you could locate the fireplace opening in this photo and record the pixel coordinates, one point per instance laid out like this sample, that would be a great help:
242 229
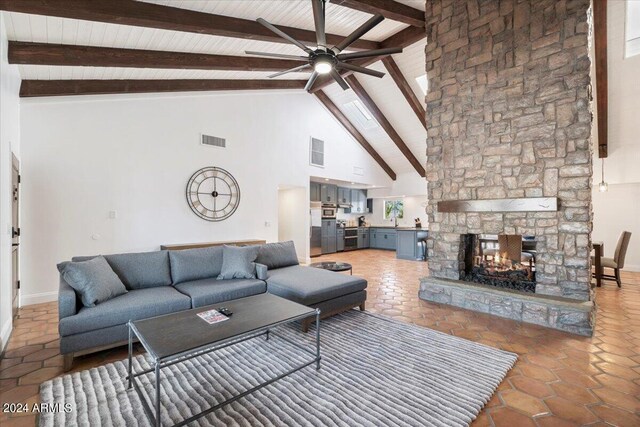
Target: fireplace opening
503 260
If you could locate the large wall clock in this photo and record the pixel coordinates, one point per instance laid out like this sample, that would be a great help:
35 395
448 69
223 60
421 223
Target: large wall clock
213 194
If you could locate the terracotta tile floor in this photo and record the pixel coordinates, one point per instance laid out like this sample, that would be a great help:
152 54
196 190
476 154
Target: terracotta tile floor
559 379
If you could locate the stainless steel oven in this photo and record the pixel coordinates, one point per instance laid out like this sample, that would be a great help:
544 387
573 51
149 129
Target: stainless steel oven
329 212
350 238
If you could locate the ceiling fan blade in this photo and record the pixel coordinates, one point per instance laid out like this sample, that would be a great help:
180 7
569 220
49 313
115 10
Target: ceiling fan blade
277 55
283 35
362 30
311 81
318 18
338 78
358 69
369 53
291 70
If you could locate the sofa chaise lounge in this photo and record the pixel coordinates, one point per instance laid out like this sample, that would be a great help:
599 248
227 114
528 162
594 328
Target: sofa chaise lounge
164 282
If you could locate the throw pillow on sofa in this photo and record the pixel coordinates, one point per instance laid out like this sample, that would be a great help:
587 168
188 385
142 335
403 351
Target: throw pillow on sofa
195 264
238 262
94 280
278 255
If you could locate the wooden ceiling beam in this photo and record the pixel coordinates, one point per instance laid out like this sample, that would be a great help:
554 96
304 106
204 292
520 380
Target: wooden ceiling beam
407 92
33 88
602 85
403 38
141 14
90 56
385 124
387 8
344 121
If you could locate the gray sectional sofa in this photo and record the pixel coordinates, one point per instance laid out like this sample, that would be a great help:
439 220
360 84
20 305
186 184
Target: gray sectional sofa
164 282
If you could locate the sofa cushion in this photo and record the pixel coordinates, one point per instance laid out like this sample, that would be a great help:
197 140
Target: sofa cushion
277 255
194 264
134 305
238 262
94 280
212 291
308 285
139 270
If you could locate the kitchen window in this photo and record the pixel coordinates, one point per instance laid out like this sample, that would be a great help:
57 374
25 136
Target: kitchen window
393 209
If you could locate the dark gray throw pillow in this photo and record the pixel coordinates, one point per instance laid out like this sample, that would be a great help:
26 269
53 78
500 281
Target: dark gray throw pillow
93 279
238 262
277 255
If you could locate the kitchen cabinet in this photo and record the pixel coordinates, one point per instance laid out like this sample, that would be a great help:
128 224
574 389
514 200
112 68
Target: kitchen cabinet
314 190
340 240
328 236
383 238
363 238
358 201
407 244
344 196
329 193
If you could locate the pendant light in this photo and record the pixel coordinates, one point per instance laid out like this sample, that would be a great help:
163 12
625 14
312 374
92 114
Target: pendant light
603 186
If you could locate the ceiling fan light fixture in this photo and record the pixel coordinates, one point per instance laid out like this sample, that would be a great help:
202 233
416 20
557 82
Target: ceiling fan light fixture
323 67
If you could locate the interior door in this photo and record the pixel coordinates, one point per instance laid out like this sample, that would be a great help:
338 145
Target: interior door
15 233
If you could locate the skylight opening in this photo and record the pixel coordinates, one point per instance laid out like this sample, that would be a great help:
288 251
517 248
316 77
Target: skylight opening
360 115
632 29
363 110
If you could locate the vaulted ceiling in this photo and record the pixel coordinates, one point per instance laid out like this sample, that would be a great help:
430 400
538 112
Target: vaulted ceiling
68 47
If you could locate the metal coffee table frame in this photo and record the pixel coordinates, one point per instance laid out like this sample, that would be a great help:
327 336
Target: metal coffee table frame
160 363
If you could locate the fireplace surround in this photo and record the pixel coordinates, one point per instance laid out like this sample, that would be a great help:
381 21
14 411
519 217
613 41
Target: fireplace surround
509 152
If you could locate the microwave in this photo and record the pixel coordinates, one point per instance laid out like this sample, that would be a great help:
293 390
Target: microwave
329 212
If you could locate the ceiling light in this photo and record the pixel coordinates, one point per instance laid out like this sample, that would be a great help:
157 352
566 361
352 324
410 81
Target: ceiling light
603 186
322 67
326 179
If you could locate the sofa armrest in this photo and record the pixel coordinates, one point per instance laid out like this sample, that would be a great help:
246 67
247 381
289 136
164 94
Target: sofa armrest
261 271
67 300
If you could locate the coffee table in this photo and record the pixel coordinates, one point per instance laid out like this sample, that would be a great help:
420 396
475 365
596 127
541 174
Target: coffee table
177 337
333 266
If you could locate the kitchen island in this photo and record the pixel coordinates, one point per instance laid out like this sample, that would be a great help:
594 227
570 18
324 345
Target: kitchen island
406 241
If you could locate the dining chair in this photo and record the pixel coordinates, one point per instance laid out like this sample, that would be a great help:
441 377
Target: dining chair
617 262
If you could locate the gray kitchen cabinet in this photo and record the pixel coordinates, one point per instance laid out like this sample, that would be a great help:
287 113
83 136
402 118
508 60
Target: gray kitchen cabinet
344 196
358 201
363 238
383 238
340 240
328 236
314 190
328 193
407 245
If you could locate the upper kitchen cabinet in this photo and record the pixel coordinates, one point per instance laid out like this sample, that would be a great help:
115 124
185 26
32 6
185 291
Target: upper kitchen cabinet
358 201
314 192
344 196
329 193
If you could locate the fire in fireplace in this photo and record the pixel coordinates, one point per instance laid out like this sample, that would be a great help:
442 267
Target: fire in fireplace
504 261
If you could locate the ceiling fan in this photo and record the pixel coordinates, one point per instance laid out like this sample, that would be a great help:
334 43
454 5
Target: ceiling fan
324 60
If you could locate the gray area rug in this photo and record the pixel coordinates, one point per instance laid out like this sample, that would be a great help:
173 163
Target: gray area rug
375 372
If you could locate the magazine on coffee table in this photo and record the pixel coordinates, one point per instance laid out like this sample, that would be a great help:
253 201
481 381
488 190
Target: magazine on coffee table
212 316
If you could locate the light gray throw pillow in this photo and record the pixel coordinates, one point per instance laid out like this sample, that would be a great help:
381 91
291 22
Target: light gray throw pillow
238 262
277 255
94 280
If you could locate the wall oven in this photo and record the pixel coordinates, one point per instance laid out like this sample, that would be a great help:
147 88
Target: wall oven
329 212
350 239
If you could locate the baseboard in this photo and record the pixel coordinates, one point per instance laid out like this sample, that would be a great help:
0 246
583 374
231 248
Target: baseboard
38 298
635 268
5 333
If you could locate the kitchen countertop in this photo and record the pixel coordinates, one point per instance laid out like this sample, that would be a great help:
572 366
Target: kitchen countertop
397 228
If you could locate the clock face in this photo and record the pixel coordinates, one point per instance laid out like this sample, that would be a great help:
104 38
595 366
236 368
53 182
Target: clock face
213 194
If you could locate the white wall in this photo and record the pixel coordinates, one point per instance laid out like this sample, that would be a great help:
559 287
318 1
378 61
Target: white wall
9 142
293 219
619 208
85 156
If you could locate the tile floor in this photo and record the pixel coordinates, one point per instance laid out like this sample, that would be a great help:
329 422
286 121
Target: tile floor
559 380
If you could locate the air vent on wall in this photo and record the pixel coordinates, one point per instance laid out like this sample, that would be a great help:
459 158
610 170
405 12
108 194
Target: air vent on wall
213 141
316 152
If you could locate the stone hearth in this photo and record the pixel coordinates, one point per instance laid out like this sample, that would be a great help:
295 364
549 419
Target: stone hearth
509 116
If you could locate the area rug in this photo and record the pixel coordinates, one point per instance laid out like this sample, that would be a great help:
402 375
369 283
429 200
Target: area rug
375 372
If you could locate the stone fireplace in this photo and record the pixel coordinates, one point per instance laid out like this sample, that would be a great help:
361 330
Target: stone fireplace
509 154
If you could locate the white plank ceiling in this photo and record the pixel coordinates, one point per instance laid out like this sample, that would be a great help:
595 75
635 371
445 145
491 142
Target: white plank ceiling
293 13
